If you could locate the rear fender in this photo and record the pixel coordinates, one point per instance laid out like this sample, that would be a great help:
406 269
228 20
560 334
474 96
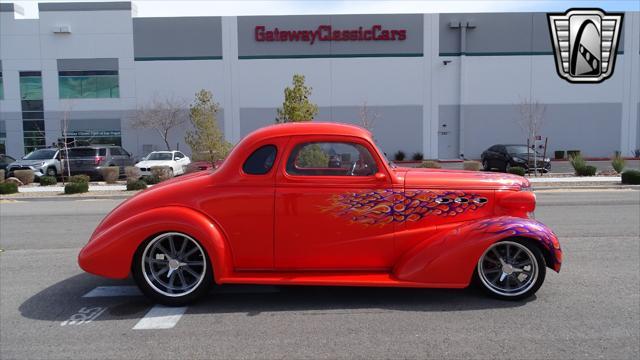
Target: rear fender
450 257
110 252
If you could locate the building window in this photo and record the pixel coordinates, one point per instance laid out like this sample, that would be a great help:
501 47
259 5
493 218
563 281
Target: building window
32 110
1 87
88 84
30 85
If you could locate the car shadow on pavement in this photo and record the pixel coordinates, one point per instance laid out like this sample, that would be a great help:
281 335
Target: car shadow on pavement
58 301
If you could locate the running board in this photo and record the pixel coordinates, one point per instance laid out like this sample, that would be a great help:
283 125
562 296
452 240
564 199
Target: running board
327 279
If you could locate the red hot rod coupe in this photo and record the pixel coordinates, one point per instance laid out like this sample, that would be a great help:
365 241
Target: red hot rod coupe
319 204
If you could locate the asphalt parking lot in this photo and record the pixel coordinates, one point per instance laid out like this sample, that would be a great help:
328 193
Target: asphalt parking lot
49 308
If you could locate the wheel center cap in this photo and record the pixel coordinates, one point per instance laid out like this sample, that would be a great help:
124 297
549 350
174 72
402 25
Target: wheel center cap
174 264
507 269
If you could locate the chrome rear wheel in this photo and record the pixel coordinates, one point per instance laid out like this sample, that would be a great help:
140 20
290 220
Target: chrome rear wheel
173 268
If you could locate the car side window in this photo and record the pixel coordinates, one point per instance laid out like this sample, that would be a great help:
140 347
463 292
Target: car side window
331 159
260 161
115 152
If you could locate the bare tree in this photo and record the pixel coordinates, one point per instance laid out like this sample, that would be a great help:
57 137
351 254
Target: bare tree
64 125
161 115
531 118
368 117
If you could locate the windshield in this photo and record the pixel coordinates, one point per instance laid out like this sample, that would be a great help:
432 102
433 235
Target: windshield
160 156
43 154
519 149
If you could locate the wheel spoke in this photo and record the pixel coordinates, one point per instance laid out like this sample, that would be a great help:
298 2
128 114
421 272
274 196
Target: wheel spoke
515 257
163 250
523 263
182 279
183 247
191 252
172 247
194 263
190 271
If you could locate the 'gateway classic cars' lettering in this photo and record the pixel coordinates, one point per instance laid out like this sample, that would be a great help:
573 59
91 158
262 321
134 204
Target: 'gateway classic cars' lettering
327 33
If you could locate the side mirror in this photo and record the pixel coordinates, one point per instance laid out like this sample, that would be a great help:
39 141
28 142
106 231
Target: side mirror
380 176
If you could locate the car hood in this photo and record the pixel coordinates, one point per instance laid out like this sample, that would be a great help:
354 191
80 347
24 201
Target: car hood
460 179
150 163
29 162
524 156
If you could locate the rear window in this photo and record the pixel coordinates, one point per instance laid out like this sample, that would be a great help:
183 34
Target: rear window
261 161
86 152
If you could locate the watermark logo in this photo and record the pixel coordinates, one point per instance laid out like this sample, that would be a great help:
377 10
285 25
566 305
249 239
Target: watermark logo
585 44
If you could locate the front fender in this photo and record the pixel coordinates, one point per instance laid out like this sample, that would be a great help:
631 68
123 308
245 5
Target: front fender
450 257
110 252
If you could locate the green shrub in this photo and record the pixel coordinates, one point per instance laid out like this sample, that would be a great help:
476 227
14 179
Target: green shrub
80 179
417 156
1 176
431 164
472 165
150 179
26 176
132 173
400 155
517 170
631 177
8 188
573 153
578 163
559 154
587 170
133 185
110 174
76 187
48 180
618 163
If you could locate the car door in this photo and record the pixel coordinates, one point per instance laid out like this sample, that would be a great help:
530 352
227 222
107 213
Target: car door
180 162
329 206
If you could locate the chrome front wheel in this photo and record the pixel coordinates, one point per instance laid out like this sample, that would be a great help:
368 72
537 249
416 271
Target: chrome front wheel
173 268
511 269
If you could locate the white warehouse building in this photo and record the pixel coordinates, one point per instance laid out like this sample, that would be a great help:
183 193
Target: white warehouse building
439 84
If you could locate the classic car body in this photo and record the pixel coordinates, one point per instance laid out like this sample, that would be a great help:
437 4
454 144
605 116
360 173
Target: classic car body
369 223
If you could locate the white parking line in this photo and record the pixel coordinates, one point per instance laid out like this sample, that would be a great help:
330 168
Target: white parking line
160 317
111 291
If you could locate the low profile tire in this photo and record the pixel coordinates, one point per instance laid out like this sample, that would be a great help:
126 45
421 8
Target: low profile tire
512 269
172 269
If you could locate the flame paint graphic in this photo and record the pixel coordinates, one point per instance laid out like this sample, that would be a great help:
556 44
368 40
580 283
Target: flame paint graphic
379 207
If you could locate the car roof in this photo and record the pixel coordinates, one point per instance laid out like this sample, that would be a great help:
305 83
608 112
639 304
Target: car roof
309 128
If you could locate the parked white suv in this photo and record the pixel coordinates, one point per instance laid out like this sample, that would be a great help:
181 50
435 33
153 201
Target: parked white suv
176 160
41 162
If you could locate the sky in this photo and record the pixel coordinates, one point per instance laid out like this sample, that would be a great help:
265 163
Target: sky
152 8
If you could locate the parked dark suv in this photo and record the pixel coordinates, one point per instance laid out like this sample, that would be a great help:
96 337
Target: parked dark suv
503 157
90 159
